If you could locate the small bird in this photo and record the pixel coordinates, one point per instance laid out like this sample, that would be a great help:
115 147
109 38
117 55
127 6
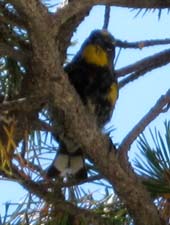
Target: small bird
91 72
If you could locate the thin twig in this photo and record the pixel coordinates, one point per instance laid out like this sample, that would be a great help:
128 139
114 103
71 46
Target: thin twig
106 17
26 164
89 179
43 126
161 105
22 104
141 44
54 197
117 57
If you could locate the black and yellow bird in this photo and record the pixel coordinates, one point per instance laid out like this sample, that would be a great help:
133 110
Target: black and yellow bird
91 72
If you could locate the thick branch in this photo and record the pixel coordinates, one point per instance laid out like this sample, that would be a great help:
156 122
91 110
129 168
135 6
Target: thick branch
81 128
134 3
77 6
77 123
161 105
29 8
66 31
121 3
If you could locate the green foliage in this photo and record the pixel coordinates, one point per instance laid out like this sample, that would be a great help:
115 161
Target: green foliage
13 78
13 39
154 162
145 11
114 211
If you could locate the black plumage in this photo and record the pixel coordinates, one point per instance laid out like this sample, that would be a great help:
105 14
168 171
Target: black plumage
91 72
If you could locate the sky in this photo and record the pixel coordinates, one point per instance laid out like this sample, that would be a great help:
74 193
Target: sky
136 98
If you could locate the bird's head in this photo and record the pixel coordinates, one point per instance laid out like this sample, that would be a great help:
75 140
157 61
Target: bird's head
99 48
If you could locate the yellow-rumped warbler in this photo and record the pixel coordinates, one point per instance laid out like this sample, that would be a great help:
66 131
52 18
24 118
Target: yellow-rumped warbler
91 72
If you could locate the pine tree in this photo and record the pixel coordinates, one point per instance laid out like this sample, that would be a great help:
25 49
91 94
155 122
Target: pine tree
34 38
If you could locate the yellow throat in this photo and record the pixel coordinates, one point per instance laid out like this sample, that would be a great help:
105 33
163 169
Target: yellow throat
94 54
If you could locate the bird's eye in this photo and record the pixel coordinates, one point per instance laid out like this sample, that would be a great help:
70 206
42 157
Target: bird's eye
109 46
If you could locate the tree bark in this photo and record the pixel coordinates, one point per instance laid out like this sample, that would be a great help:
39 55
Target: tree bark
48 80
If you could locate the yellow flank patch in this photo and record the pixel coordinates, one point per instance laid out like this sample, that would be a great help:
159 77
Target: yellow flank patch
94 54
113 94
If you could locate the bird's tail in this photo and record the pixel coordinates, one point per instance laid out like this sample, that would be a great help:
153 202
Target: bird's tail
68 163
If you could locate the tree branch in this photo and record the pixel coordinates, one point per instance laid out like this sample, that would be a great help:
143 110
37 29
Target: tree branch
143 66
156 4
42 126
157 60
23 104
55 198
66 31
77 6
161 105
106 17
141 44
29 8
81 128
78 125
